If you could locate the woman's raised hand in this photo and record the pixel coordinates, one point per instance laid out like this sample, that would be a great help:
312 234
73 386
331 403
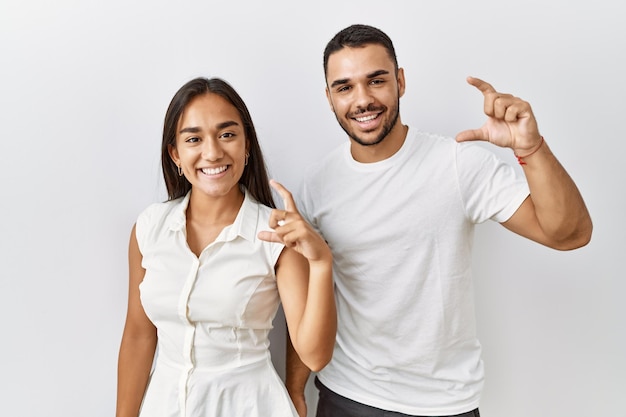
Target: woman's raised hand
291 229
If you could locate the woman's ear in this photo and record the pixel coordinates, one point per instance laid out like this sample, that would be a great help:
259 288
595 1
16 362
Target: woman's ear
171 149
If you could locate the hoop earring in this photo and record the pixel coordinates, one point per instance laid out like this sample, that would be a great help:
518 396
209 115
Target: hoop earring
246 161
180 171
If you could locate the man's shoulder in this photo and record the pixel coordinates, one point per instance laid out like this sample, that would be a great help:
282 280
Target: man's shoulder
328 162
433 142
425 138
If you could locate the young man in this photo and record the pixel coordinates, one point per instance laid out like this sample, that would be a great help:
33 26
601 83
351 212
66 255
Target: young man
398 208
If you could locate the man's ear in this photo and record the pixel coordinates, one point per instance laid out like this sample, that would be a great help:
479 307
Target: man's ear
401 82
330 102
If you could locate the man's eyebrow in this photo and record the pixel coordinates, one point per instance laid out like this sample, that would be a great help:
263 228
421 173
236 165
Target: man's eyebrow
196 129
377 73
374 74
340 82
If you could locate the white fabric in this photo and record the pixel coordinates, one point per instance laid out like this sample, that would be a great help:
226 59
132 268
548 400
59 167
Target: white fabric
213 314
401 234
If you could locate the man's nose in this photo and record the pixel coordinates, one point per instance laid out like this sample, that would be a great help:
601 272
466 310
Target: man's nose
363 97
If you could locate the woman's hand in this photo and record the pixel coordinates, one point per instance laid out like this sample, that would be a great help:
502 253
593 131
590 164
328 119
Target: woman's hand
291 229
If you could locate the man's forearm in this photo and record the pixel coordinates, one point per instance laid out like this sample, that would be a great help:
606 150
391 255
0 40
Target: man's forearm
559 206
297 373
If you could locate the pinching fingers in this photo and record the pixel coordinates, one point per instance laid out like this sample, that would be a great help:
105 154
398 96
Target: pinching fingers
498 105
287 227
278 218
279 224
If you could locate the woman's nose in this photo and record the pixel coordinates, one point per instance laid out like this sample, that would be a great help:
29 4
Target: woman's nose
212 150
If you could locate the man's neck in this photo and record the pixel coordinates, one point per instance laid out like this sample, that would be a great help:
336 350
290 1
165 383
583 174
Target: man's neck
383 150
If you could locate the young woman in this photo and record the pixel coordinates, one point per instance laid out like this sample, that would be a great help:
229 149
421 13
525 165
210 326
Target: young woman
208 268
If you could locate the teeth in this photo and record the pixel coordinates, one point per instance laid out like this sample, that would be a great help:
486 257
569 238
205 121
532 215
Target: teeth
366 118
213 171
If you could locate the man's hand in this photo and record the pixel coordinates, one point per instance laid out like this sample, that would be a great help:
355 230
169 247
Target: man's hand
510 123
300 404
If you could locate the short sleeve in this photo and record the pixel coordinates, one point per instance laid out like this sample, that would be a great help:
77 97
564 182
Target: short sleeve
141 227
490 188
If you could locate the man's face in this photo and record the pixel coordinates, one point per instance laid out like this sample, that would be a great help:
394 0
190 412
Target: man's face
364 92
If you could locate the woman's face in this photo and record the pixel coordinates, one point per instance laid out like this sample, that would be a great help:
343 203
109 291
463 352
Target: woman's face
211 145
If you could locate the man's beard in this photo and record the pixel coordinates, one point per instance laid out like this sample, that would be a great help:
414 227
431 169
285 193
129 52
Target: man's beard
387 127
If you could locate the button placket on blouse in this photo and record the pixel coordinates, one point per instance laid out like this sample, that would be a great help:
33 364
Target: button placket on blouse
190 330
190 326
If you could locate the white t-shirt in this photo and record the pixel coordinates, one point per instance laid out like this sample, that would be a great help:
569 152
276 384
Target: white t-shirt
401 233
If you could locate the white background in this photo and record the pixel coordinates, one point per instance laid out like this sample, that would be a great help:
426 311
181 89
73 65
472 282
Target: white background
83 90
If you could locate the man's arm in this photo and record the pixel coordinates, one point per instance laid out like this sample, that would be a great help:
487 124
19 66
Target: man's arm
554 214
297 375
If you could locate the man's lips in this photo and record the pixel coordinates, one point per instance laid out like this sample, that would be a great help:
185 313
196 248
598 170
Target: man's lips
364 119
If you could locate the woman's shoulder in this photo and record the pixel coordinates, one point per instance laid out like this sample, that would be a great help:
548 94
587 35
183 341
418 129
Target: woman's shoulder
262 210
157 215
160 209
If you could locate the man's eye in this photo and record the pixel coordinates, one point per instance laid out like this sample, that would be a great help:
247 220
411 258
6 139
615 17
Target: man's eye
343 88
377 82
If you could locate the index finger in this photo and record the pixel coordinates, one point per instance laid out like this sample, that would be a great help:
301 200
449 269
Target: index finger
290 204
483 86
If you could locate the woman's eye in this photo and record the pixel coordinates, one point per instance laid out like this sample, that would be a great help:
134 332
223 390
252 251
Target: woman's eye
192 140
227 135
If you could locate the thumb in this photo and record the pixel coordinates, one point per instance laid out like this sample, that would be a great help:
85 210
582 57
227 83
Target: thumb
269 236
471 134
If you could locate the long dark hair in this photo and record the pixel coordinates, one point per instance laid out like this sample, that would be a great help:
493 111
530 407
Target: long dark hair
356 36
254 177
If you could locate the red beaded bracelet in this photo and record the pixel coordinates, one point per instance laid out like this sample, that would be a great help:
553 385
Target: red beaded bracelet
520 159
